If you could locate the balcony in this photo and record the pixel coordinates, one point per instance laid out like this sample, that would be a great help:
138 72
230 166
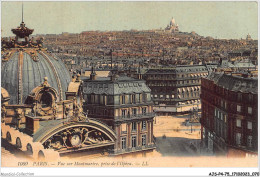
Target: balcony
132 117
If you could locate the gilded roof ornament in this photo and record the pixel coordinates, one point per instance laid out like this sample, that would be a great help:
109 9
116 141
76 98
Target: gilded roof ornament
45 83
22 39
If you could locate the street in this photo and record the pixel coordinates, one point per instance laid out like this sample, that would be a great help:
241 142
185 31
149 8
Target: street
174 138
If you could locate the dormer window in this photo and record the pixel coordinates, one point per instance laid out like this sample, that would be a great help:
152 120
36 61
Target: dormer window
46 100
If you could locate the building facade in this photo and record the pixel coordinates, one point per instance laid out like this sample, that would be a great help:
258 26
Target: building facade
229 114
125 105
176 89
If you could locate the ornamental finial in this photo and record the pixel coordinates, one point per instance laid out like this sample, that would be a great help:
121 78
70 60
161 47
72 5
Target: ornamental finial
45 82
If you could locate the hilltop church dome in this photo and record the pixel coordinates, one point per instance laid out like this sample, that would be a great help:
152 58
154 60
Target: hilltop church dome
172 22
25 64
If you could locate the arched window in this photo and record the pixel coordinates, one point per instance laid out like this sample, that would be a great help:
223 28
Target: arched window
46 100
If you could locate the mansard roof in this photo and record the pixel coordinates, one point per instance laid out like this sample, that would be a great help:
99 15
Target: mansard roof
235 83
122 85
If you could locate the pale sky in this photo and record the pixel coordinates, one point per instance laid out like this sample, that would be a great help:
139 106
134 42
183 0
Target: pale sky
230 20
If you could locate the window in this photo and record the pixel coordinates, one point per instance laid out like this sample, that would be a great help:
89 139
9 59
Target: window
123 143
123 99
249 141
105 99
46 100
144 97
124 113
105 112
134 111
92 99
143 125
249 125
110 100
249 110
97 99
238 123
123 128
133 126
143 140
250 97
133 141
216 112
133 99
161 96
238 138
225 118
144 111
238 108
239 96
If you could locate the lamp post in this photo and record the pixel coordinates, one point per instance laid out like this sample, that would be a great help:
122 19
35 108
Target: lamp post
191 114
191 127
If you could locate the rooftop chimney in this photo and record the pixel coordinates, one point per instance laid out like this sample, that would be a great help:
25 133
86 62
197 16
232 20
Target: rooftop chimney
93 74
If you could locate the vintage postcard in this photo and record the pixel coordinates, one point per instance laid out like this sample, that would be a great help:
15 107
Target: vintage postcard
129 84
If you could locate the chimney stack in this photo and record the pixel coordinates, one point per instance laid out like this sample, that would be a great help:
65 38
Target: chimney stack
93 74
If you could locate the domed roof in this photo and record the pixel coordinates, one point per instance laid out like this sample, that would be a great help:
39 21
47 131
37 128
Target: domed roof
24 66
172 22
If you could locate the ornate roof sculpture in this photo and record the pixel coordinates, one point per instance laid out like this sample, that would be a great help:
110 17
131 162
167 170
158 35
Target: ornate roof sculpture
22 39
22 31
25 63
